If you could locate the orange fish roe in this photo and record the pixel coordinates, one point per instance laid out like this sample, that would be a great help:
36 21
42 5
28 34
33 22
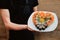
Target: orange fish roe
49 22
52 18
42 14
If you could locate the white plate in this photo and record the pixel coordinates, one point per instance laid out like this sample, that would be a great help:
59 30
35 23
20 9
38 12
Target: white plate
52 27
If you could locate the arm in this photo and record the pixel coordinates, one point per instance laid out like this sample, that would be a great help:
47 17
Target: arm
35 8
8 24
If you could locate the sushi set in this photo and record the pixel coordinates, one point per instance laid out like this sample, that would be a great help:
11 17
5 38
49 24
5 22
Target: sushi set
43 21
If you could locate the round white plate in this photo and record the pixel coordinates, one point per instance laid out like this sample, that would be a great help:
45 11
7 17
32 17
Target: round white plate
52 27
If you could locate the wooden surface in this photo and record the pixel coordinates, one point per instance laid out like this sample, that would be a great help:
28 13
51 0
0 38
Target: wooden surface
53 6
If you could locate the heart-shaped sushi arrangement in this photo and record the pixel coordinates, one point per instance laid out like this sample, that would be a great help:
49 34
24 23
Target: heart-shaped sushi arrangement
43 21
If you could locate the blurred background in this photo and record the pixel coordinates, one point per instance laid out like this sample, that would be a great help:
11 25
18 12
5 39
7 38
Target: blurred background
53 6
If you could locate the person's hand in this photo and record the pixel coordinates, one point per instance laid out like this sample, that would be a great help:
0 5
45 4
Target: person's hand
30 29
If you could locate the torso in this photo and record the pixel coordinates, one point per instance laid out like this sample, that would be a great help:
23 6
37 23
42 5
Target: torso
18 16
17 12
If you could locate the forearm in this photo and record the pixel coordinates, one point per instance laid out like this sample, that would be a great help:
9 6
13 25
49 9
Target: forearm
8 24
13 26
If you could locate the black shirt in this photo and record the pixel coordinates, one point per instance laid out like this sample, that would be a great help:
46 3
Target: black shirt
17 15
16 7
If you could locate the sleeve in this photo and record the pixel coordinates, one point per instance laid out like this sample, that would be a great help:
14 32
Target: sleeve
4 4
34 3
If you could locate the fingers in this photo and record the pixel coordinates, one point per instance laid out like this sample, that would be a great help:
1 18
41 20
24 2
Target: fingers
31 29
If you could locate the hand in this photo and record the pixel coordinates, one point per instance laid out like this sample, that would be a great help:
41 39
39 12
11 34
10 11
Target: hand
30 29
